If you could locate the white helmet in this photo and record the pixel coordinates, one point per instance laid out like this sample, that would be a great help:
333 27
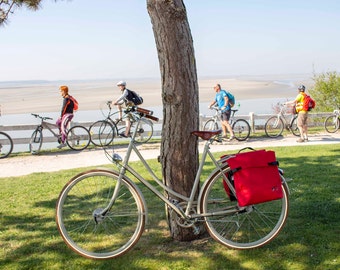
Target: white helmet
121 83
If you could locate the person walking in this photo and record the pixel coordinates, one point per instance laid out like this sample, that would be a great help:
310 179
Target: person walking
222 101
302 114
66 114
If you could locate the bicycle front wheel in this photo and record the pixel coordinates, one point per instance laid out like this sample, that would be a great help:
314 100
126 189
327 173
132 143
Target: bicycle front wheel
240 228
89 230
274 127
241 129
6 145
36 141
210 125
332 123
78 138
102 133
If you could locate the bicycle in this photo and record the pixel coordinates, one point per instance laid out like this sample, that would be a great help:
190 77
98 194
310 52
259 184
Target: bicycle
332 122
101 213
274 125
240 127
104 131
6 145
78 137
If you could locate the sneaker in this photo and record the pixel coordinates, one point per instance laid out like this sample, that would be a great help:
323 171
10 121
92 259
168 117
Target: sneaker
300 140
224 136
61 145
231 138
306 139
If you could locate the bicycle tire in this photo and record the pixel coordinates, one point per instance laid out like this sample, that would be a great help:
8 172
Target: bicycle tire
6 145
332 123
78 138
106 236
36 141
273 127
144 132
102 133
241 129
293 126
242 228
210 125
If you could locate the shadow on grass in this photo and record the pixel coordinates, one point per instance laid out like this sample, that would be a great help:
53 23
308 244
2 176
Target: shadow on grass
309 240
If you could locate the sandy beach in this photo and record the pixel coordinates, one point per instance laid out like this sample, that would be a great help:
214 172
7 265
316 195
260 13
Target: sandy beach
44 96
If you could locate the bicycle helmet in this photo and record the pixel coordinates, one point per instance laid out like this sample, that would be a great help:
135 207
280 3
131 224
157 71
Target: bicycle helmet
121 83
302 88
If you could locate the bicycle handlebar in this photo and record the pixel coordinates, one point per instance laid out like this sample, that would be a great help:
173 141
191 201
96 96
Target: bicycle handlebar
41 117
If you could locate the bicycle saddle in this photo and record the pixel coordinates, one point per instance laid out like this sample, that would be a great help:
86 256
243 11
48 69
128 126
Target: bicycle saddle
206 135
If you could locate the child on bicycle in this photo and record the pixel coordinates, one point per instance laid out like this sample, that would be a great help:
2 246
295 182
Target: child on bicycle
66 114
222 100
123 100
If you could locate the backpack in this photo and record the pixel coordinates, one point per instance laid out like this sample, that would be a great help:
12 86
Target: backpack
75 103
231 99
308 103
134 97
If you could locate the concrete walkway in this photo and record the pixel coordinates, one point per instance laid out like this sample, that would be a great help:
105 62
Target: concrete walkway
24 165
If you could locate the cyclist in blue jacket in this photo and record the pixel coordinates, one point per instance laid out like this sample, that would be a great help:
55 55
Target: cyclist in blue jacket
222 101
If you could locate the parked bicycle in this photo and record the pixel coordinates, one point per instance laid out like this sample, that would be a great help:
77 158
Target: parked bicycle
78 137
6 145
240 127
101 213
332 122
275 125
104 131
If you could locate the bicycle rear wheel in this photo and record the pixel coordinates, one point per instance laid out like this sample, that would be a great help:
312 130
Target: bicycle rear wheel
274 127
78 138
240 228
144 132
102 133
241 129
83 225
36 141
210 125
332 123
293 126
6 145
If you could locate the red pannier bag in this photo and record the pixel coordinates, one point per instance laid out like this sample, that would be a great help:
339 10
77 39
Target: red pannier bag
256 177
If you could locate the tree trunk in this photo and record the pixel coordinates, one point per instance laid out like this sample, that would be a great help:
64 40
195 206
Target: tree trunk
179 152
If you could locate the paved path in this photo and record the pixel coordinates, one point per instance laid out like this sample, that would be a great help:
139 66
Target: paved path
24 165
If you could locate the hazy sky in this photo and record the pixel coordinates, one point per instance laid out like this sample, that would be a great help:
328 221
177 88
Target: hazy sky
83 39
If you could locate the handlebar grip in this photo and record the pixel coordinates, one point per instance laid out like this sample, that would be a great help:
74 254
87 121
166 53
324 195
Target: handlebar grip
145 111
154 118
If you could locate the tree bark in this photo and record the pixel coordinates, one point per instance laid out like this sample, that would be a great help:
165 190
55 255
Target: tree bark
179 152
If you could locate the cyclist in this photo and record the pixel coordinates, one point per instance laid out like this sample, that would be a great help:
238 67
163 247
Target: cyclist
221 98
302 114
123 100
65 116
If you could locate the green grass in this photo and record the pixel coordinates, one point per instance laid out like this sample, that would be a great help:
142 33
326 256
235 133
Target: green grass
310 240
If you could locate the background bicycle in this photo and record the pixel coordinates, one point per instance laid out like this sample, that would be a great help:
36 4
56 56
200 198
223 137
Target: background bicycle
6 145
275 125
332 122
101 213
104 131
78 137
241 127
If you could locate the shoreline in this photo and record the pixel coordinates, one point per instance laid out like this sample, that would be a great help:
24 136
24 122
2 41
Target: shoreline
44 97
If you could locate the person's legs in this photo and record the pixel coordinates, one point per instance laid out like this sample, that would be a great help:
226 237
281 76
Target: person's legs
302 126
225 116
65 121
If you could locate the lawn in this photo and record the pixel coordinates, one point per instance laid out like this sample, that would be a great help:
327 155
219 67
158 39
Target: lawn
310 239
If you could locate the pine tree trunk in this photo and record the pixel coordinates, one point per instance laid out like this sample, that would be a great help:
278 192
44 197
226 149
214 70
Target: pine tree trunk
179 152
